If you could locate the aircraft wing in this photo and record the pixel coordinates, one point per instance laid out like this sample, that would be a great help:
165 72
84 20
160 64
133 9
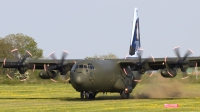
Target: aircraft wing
161 63
148 63
38 64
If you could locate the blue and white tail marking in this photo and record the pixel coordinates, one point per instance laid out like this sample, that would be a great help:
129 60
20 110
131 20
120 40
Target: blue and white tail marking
135 39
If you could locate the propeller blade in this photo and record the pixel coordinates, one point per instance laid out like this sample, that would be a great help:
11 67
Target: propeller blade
33 67
151 73
28 53
137 80
126 55
25 56
67 79
176 50
23 80
184 75
153 58
166 65
45 67
9 76
52 55
64 56
189 52
124 71
14 51
4 62
23 59
53 80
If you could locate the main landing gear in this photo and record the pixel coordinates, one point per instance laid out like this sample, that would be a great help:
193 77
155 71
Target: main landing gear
87 95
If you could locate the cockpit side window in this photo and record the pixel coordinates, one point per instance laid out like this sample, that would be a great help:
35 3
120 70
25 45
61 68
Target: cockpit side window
85 66
90 66
80 66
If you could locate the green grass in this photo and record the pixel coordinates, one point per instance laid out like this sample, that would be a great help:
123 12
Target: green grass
149 95
62 97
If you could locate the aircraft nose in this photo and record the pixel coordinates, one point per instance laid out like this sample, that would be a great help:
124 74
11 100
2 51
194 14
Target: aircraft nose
78 79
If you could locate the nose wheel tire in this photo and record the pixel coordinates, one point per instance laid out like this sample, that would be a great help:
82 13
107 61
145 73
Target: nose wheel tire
87 95
90 95
125 95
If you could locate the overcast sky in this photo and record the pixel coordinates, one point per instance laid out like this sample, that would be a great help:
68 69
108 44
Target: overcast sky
88 27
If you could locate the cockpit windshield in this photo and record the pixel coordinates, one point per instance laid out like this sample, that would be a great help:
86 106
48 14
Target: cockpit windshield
85 66
74 67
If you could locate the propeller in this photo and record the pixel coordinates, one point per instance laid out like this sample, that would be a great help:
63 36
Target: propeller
140 65
21 64
182 62
60 65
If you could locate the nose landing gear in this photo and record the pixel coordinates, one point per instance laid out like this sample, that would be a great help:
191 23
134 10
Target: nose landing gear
82 94
125 94
87 95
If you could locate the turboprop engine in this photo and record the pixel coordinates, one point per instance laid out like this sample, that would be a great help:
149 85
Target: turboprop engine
47 74
168 73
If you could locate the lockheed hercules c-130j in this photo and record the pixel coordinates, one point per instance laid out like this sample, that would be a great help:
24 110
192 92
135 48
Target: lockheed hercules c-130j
90 77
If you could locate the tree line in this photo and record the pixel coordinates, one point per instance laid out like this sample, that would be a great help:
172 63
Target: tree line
26 43
21 42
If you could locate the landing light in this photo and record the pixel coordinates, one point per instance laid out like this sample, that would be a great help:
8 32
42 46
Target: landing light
126 90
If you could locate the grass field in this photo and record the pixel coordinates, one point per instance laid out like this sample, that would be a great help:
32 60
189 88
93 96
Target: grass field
62 97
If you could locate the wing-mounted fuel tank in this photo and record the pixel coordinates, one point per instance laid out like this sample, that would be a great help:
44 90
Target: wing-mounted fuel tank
47 74
168 73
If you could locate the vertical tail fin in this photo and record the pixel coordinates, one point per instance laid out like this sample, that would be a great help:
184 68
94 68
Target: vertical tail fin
135 39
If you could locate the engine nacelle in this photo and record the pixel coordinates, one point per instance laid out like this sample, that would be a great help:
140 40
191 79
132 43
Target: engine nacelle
168 73
47 74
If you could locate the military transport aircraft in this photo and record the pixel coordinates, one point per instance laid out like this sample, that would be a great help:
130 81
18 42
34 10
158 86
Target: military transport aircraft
90 77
